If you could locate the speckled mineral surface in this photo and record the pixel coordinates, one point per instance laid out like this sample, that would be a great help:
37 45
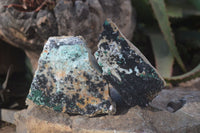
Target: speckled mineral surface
66 82
126 68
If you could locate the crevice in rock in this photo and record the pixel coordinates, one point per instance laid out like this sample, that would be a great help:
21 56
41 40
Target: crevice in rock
19 78
121 106
174 106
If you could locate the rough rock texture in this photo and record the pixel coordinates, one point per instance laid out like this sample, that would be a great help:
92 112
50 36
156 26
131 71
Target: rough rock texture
30 30
37 120
135 119
124 66
178 98
8 115
66 82
8 129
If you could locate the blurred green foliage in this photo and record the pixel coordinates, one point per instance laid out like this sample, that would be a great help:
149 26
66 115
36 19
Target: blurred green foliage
173 29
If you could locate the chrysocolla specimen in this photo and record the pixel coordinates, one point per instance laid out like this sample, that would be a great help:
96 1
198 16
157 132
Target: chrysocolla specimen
65 80
124 66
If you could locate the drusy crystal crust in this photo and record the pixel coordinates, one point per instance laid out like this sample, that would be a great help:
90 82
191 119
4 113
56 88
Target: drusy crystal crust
126 68
66 82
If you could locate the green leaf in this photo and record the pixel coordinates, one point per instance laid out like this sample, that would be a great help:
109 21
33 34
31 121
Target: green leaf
163 57
194 73
164 24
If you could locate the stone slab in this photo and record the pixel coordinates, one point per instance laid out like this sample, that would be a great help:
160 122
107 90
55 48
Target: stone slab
134 119
7 115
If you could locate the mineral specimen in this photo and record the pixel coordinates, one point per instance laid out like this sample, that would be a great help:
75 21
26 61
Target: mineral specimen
66 82
126 68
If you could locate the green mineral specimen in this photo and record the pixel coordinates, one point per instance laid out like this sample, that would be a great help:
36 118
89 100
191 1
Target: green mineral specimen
65 81
124 66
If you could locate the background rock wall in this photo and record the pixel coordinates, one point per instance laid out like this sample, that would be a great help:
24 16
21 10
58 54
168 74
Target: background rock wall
30 30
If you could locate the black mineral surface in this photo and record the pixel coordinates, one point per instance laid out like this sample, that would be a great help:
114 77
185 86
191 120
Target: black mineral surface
124 66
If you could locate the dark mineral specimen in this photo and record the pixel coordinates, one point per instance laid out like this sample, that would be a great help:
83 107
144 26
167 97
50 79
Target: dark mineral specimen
124 66
69 79
66 82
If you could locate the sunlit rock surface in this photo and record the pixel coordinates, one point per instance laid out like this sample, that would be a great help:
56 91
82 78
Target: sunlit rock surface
66 82
126 68
131 120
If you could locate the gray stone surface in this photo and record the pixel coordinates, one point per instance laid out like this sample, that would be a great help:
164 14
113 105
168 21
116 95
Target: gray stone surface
30 30
190 96
8 115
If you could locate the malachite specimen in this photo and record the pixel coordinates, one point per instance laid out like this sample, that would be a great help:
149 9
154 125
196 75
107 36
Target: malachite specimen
124 66
66 82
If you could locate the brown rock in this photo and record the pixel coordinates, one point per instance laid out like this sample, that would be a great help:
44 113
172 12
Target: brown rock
135 119
37 120
30 30
8 129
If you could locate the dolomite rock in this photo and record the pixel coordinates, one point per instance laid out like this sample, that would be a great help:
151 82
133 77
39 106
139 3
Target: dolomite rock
124 66
66 82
